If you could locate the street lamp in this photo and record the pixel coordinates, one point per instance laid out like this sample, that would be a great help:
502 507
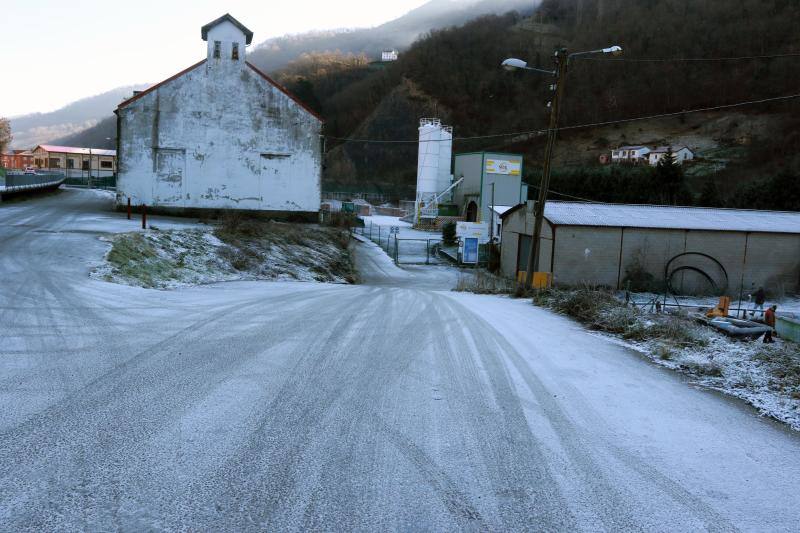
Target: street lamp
562 58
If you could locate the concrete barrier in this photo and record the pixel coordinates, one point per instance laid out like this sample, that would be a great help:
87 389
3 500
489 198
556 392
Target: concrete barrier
788 328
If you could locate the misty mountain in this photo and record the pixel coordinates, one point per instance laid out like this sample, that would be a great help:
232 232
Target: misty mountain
36 128
399 33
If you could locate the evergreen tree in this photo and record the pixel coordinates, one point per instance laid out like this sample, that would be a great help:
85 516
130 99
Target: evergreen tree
710 195
669 175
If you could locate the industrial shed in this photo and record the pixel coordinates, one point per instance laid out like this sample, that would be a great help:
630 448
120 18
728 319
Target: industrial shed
701 249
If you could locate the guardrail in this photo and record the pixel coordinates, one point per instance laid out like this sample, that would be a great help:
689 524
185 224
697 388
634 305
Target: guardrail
11 183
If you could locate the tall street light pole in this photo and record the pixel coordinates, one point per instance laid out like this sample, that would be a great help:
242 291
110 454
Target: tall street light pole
562 58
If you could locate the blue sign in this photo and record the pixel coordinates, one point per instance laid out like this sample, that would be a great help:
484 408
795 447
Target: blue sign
470 251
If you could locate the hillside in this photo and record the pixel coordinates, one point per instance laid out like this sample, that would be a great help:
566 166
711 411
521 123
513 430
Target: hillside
738 147
90 121
37 128
400 33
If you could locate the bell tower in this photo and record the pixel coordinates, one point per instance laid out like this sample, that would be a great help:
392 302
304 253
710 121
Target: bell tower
226 39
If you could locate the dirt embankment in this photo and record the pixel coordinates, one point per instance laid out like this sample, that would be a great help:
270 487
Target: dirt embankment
237 249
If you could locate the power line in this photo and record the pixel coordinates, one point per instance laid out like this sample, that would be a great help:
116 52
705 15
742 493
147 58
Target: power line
686 59
551 191
576 126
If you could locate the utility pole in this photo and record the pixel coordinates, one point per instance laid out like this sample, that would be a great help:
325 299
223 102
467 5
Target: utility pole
562 62
555 111
491 217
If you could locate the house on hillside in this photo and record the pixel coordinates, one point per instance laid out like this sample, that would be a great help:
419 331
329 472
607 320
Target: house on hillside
681 154
220 134
630 154
389 55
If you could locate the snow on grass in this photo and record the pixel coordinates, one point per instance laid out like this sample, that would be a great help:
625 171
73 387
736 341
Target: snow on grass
249 250
766 376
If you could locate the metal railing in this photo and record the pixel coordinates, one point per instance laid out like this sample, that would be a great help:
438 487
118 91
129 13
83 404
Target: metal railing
403 250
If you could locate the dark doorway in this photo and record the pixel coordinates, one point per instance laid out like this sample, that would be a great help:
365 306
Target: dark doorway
472 212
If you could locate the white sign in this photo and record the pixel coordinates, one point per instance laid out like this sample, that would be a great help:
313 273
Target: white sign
503 166
394 229
474 230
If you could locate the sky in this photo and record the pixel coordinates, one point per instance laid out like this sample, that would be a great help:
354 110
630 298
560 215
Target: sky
57 51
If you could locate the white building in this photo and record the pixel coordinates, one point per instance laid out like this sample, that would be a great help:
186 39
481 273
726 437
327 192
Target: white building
629 154
681 154
389 55
220 135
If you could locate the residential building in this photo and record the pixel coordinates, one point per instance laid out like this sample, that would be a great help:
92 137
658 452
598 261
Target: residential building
714 250
220 134
16 159
680 153
629 154
389 55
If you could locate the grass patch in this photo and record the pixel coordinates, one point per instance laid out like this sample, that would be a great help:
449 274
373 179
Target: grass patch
600 310
239 248
482 282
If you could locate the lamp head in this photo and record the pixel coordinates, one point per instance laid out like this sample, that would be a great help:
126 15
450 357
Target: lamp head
613 50
513 63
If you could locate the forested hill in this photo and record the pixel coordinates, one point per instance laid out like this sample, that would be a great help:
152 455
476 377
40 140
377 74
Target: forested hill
399 33
677 57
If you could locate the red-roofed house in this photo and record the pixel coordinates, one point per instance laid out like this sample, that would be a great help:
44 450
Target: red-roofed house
220 135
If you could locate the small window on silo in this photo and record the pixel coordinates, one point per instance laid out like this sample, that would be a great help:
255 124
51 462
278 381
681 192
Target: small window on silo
217 49
235 52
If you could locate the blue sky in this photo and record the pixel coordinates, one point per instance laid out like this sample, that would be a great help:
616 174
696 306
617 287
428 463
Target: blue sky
58 51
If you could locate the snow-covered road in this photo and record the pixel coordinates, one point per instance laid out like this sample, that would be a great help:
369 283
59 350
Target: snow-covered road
388 405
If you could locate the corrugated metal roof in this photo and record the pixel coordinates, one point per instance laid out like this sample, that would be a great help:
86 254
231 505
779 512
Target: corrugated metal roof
669 217
76 150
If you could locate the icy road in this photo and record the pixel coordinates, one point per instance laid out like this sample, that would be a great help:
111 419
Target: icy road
385 406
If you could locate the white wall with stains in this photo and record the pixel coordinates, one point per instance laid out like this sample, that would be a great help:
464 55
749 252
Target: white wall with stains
220 136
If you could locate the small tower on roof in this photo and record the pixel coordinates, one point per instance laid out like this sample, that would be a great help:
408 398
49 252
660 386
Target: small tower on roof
226 38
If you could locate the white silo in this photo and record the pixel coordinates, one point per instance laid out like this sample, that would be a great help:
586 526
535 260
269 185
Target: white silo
430 131
445 158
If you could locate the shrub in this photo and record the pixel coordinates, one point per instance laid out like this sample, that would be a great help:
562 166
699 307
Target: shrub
449 233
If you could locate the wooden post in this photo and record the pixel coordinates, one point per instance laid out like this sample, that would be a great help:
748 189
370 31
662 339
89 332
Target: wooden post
144 216
129 208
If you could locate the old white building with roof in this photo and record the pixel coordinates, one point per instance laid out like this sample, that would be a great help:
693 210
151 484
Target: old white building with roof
701 249
680 153
629 154
220 135
74 160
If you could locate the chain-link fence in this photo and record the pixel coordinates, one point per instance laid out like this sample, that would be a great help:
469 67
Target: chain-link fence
408 250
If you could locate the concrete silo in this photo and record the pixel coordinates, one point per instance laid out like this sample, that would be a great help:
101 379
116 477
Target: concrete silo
433 166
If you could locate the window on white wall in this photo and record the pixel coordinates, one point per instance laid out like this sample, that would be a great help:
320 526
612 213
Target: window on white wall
235 52
217 49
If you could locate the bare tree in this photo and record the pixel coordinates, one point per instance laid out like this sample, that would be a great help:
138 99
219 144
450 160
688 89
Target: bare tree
5 134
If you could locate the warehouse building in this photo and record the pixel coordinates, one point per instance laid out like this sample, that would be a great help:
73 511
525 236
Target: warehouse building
220 135
489 179
699 250
74 161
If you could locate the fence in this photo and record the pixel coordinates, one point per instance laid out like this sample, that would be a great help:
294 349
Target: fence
403 250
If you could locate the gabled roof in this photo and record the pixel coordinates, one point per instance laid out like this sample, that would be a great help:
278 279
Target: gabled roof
285 91
75 150
631 147
274 83
157 85
665 149
667 217
226 17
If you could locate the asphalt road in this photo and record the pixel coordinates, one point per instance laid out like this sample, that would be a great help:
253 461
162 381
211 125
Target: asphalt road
389 405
